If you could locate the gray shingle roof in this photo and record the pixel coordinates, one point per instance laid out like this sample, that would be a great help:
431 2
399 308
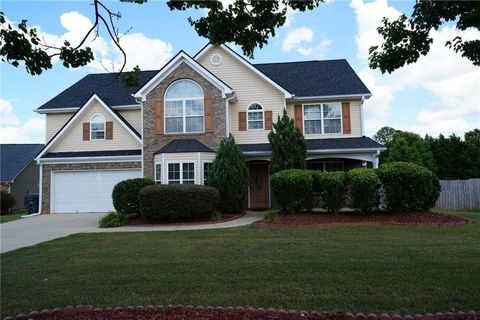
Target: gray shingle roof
321 144
92 154
184 145
14 157
315 78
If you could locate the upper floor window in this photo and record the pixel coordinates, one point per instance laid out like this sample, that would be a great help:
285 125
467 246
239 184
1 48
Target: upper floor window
255 117
184 109
322 118
97 127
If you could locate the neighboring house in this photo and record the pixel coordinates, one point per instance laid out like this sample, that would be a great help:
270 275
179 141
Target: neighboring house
100 133
19 174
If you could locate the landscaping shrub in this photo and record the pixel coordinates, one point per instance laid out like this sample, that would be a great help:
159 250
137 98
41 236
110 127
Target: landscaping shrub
6 201
292 189
270 216
113 220
408 186
331 186
177 202
229 175
363 188
125 195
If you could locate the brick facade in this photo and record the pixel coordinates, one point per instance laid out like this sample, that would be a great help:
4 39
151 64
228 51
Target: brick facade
48 168
152 142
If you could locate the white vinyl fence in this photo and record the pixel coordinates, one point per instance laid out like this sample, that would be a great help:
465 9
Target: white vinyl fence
459 194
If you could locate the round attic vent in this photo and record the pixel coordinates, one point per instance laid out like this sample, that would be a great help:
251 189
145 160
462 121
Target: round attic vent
216 59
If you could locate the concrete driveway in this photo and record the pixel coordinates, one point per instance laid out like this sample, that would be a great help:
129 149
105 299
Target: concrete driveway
29 231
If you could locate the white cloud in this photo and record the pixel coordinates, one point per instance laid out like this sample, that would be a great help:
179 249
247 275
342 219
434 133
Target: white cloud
452 79
12 130
300 40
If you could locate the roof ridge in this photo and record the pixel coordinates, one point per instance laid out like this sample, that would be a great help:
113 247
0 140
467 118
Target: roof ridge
303 61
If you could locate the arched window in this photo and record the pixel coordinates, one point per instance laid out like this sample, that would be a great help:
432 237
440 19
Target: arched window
255 117
97 127
184 107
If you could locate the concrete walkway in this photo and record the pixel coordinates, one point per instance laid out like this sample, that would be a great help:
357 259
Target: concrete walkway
33 230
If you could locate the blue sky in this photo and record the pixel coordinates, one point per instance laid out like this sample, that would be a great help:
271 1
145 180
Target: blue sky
439 94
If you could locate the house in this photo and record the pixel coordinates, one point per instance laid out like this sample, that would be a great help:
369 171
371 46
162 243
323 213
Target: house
168 129
19 174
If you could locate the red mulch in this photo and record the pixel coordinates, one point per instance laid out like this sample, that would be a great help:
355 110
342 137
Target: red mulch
322 219
140 222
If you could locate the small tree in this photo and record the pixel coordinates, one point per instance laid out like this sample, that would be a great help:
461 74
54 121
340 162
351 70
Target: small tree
229 174
289 148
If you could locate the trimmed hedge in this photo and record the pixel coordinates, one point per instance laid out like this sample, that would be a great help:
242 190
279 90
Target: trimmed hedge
293 189
331 186
363 189
7 201
177 202
125 195
408 186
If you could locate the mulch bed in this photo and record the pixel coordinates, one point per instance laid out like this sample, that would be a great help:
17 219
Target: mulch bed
322 219
140 222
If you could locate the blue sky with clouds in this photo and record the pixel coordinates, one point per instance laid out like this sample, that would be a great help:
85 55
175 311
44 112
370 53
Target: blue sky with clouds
439 94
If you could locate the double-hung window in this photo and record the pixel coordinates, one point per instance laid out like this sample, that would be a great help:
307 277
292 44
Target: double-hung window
207 166
181 173
255 117
158 173
322 118
97 127
184 107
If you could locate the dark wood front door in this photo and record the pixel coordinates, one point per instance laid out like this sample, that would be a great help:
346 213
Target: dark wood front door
259 185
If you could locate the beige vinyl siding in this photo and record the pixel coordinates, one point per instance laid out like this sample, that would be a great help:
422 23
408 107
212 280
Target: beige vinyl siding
196 157
134 117
355 120
249 88
55 122
72 140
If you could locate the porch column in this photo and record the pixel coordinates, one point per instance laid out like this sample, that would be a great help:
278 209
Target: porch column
376 159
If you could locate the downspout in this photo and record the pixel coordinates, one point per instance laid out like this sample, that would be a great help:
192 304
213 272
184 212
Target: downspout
361 115
227 113
140 100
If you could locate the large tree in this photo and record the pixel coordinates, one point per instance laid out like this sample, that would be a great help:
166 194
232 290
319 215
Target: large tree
247 23
384 135
406 39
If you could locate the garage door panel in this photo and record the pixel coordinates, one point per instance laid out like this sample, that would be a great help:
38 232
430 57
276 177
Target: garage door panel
87 191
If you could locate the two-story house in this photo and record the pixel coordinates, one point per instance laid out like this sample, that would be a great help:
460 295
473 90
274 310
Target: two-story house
99 132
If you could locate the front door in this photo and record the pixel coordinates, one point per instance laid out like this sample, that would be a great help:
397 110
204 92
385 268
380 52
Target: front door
259 185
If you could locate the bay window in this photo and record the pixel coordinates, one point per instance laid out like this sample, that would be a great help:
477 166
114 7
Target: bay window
181 173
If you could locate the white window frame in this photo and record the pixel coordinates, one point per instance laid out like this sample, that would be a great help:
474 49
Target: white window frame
324 164
158 178
203 170
180 163
184 109
322 119
255 111
104 127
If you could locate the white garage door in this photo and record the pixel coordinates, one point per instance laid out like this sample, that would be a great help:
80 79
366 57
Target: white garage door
86 191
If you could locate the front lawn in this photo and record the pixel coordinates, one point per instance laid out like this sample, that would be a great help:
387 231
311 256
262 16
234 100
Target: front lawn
359 269
11 217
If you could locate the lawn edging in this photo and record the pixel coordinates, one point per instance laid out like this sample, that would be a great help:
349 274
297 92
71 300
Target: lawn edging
220 313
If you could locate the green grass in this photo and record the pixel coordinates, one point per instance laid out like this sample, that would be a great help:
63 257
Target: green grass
11 217
359 269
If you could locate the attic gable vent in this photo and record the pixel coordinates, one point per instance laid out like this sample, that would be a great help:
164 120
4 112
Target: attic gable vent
216 59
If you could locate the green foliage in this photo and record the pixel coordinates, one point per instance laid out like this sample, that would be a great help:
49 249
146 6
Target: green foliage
270 216
331 186
216 216
177 202
113 220
229 175
289 148
292 189
125 195
7 201
408 186
406 39
385 135
363 188
409 147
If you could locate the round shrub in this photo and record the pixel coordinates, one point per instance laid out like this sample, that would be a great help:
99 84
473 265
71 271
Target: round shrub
331 186
125 195
292 189
177 202
408 186
363 188
7 201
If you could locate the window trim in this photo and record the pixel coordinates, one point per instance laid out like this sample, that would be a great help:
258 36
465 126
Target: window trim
253 111
203 170
322 118
104 127
158 179
180 163
184 114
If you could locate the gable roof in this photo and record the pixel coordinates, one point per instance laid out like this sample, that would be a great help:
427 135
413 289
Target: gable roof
14 158
77 114
316 78
184 145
